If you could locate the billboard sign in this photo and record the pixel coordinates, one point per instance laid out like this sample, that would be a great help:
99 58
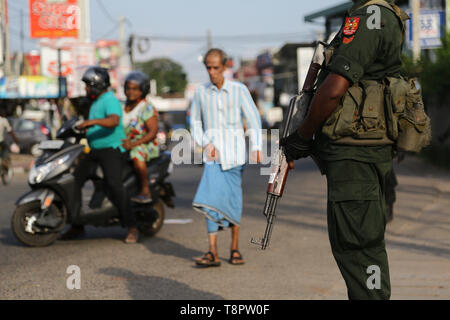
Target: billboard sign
32 64
54 18
107 55
76 57
30 87
431 29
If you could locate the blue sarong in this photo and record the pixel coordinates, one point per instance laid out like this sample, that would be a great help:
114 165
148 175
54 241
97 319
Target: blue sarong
219 196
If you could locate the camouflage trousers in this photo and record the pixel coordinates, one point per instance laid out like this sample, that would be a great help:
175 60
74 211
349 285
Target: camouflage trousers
356 215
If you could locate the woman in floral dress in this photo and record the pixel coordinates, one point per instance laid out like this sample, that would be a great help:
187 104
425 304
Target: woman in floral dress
140 122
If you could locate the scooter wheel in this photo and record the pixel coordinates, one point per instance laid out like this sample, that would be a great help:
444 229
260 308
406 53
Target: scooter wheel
20 220
150 229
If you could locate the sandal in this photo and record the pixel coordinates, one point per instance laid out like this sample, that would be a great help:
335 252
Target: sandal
236 260
141 199
207 260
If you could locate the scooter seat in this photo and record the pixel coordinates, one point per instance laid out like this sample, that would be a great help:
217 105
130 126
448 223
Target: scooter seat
128 170
163 157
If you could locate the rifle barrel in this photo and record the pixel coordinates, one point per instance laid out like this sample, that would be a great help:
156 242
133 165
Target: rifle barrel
273 200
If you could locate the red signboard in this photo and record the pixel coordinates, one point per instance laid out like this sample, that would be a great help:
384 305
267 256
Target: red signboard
54 19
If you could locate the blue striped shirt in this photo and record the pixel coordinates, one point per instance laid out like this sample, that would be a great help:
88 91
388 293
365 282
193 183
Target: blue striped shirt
216 118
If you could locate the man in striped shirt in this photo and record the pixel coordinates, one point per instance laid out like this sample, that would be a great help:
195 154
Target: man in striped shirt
217 114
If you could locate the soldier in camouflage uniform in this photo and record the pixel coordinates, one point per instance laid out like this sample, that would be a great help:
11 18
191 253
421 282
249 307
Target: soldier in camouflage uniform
356 171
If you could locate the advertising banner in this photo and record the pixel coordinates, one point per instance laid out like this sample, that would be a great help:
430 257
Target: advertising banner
29 87
76 57
107 56
54 18
32 64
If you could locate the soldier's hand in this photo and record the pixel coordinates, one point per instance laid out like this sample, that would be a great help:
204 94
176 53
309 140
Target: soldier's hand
296 147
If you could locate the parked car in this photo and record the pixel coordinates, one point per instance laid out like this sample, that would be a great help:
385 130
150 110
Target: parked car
30 133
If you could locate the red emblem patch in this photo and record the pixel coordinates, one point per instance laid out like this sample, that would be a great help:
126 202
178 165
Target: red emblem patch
351 25
348 40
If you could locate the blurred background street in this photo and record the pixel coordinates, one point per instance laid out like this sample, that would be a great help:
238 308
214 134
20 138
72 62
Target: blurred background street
46 46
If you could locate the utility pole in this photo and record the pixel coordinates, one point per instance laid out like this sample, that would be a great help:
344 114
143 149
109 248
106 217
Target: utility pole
153 88
2 37
122 45
59 74
124 64
447 12
84 28
21 32
22 49
415 8
122 36
208 39
5 29
241 70
130 45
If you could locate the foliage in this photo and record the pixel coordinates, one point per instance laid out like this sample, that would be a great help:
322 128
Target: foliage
433 74
169 75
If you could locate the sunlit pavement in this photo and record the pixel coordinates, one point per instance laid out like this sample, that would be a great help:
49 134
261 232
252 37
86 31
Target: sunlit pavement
297 265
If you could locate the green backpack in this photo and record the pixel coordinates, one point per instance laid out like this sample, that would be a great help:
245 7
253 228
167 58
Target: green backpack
408 124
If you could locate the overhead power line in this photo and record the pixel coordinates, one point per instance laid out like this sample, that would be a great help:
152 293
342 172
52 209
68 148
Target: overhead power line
233 38
105 12
18 34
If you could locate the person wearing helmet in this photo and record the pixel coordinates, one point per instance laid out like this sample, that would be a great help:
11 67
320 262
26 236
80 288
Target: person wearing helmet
140 121
104 134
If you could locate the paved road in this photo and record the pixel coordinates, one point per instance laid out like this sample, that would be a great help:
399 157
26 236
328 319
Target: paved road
297 265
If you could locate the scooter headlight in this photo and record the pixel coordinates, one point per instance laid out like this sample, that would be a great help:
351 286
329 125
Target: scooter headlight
38 174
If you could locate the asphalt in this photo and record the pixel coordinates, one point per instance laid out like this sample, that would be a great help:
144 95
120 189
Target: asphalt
298 265
21 162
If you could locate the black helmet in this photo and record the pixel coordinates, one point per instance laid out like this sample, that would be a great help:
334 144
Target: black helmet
96 77
141 79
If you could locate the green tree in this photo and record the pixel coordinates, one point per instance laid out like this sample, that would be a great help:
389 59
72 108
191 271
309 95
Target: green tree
433 74
169 75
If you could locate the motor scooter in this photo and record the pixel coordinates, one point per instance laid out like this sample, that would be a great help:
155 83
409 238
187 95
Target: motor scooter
54 201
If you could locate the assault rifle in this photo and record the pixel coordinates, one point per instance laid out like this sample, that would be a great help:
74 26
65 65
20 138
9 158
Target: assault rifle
298 109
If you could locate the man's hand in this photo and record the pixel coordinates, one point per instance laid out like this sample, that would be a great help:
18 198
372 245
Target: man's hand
85 125
256 157
211 153
296 147
14 148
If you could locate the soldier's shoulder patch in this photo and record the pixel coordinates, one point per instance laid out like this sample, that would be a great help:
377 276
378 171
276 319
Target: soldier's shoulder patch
348 40
351 26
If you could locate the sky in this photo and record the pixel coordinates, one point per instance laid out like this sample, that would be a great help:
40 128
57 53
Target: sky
232 24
